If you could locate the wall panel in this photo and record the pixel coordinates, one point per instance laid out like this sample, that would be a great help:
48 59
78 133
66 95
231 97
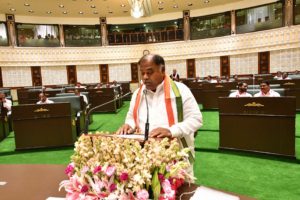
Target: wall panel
16 76
120 72
88 73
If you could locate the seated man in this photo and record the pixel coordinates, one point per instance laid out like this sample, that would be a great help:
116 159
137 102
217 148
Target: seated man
43 99
77 92
278 75
242 91
167 117
6 103
285 76
78 85
265 90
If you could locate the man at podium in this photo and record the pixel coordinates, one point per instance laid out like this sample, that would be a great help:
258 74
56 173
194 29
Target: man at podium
169 106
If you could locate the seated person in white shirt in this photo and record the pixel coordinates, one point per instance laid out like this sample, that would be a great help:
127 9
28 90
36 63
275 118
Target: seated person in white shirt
265 90
6 103
78 85
242 90
285 76
278 75
163 121
77 92
43 99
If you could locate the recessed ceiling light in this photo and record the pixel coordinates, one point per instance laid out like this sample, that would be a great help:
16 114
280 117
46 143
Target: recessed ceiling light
206 1
61 6
65 12
160 8
95 12
49 12
175 6
26 4
110 12
89 0
190 4
12 9
93 6
160 2
125 11
123 5
80 12
31 11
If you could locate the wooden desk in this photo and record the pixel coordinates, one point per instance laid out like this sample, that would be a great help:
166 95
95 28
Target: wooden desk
258 124
47 125
100 96
36 182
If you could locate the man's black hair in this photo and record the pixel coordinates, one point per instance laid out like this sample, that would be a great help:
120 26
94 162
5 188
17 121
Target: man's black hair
157 59
266 82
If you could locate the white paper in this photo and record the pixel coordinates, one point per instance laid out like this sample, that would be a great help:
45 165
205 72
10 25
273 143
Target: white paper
56 198
132 136
2 183
204 193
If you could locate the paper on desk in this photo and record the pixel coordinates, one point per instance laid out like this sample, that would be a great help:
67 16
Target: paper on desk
56 198
132 136
2 183
204 193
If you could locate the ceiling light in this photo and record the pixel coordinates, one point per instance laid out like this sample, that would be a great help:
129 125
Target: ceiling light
110 12
123 5
65 12
26 4
137 9
61 6
190 4
160 2
31 11
95 12
89 0
49 12
206 1
12 9
160 8
80 12
93 6
175 6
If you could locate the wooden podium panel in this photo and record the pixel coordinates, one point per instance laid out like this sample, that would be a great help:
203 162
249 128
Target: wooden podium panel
47 125
101 96
258 124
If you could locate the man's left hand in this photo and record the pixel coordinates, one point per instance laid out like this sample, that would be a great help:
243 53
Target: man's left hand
160 133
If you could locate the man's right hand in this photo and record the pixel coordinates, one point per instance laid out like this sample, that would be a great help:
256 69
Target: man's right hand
125 129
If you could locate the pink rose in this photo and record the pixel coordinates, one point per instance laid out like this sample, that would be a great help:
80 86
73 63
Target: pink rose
124 176
84 189
69 170
112 187
97 169
142 195
110 170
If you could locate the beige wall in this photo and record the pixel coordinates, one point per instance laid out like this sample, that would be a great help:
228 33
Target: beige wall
179 65
208 66
16 76
119 72
54 75
88 73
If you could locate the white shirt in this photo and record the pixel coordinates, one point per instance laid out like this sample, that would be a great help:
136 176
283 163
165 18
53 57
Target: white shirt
238 94
46 102
192 117
271 93
84 98
7 104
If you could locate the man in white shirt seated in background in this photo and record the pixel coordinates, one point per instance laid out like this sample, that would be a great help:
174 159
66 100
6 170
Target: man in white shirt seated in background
242 90
265 90
6 103
78 93
43 99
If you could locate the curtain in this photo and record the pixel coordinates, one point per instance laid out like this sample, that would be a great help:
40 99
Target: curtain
45 31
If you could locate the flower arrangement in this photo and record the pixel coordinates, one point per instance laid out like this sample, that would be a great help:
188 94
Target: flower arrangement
115 168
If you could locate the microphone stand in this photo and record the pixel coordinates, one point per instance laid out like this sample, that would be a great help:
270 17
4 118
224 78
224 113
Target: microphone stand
87 117
147 120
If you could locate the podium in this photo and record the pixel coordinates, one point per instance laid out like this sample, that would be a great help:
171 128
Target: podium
45 125
258 124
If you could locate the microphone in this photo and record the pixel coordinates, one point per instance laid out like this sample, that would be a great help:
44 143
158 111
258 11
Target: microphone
147 120
87 117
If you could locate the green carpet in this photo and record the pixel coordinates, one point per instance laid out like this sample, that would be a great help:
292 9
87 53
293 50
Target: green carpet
260 176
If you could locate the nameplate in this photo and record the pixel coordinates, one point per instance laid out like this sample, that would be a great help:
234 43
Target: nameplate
2 183
41 110
289 83
219 86
99 91
254 104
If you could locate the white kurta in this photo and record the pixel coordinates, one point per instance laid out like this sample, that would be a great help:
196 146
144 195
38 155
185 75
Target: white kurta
238 94
192 117
271 93
46 102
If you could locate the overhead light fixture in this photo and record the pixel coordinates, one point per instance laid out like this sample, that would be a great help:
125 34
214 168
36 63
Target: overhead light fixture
95 12
61 6
93 6
137 9
206 1
12 9
26 4
30 11
80 12
65 12
49 12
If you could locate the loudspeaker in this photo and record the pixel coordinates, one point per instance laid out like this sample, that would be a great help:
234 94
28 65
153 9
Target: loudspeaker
102 20
186 13
10 18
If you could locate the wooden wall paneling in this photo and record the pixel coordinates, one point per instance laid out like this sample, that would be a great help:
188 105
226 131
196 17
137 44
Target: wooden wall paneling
1 80
134 73
191 68
224 66
264 62
72 74
36 76
104 73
